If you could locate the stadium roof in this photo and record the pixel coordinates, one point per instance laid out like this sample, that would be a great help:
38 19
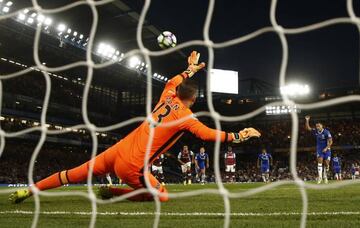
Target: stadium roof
117 26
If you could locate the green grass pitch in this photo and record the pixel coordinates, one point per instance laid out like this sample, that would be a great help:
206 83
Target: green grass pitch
285 199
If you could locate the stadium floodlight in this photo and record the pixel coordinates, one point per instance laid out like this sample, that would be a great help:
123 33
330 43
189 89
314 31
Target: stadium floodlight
166 79
61 27
81 36
110 51
48 21
75 33
101 48
162 77
21 16
295 89
40 18
105 50
69 30
30 20
155 74
9 3
133 61
281 110
6 9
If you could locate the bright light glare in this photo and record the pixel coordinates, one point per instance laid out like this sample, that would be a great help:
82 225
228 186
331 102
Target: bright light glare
133 61
21 16
224 81
48 21
281 110
40 18
61 27
295 89
6 9
9 3
30 20
106 50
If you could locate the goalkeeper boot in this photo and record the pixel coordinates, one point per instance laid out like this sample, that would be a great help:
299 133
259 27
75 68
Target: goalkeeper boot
20 195
104 192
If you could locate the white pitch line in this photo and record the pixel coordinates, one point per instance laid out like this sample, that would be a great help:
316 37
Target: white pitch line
245 214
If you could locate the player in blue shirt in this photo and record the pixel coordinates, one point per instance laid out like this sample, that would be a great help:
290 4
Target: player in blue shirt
264 161
336 164
323 147
201 163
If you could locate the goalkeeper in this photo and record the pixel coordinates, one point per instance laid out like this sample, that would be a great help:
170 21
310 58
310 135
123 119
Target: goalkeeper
126 158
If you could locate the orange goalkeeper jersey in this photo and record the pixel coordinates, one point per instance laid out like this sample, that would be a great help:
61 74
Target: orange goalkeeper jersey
132 148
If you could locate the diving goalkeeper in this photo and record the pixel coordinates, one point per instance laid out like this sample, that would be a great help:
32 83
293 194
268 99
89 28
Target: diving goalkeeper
126 158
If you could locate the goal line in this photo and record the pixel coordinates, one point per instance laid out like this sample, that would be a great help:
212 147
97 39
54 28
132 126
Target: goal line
181 214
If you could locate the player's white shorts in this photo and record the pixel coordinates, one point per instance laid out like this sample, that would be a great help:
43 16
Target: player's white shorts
230 168
155 168
185 167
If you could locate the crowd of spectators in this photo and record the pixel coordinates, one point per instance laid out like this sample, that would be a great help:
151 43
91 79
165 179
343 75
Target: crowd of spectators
15 160
65 92
64 155
13 124
276 134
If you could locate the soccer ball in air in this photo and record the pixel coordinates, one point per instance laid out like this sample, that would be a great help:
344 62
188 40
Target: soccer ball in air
166 40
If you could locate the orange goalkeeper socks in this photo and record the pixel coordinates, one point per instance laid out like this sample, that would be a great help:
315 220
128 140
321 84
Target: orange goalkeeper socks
74 175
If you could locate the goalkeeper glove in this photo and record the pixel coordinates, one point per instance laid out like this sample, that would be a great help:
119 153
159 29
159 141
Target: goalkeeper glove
194 66
244 135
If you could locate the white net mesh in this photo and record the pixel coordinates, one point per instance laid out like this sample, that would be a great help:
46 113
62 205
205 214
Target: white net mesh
89 63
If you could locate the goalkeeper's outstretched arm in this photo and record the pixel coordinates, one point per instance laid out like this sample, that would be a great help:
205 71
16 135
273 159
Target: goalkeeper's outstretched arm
208 134
193 67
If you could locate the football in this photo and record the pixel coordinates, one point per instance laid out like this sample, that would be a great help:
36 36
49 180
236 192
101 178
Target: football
166 40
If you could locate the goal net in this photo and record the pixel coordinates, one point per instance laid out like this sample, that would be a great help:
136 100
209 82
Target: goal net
276 28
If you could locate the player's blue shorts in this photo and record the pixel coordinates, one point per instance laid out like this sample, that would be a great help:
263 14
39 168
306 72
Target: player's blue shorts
325 156
337 169
202 165
265 169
